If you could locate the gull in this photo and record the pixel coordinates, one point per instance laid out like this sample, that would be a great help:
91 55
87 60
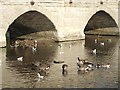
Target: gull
39 76
94 51
20 59
102 43
95 40
34 49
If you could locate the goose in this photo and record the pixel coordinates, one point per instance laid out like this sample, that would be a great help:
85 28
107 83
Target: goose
89 64
98 66
39 76
64 67
20 59
79 62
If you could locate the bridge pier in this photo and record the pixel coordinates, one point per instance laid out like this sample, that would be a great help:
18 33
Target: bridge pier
68 33
2 37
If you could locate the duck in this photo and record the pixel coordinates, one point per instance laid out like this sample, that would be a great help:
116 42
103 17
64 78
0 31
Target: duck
20 59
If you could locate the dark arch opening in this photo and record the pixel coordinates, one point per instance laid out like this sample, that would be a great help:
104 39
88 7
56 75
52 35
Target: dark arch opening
30 25
101 20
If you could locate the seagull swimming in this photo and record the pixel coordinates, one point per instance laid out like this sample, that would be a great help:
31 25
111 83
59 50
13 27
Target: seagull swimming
39 76
102 43
20 59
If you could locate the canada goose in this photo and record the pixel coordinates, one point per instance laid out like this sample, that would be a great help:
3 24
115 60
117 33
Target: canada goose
79 62
64 67
98 66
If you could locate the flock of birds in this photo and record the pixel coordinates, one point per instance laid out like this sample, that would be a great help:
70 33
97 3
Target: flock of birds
85 66
82 64
30 43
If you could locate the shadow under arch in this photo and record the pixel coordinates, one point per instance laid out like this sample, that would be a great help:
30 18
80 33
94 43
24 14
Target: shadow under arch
99 20
31 22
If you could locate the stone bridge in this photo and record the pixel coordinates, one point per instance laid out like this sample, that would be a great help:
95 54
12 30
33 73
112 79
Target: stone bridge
69 17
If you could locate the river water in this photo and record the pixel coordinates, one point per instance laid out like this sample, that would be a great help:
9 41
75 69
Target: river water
20 74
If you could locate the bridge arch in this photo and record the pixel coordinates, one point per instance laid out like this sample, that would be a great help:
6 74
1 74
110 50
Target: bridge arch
108 19
11 12
29 22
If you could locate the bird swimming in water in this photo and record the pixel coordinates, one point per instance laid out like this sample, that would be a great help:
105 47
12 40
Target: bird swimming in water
106 65
39 76
20 59
102 43
89 64
79 62
64 67
34 49
95 40
60 45
94 51
98 66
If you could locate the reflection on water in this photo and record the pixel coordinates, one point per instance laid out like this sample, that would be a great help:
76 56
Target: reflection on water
23 74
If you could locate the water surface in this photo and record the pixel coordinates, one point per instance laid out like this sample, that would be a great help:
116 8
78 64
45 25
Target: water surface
16 74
